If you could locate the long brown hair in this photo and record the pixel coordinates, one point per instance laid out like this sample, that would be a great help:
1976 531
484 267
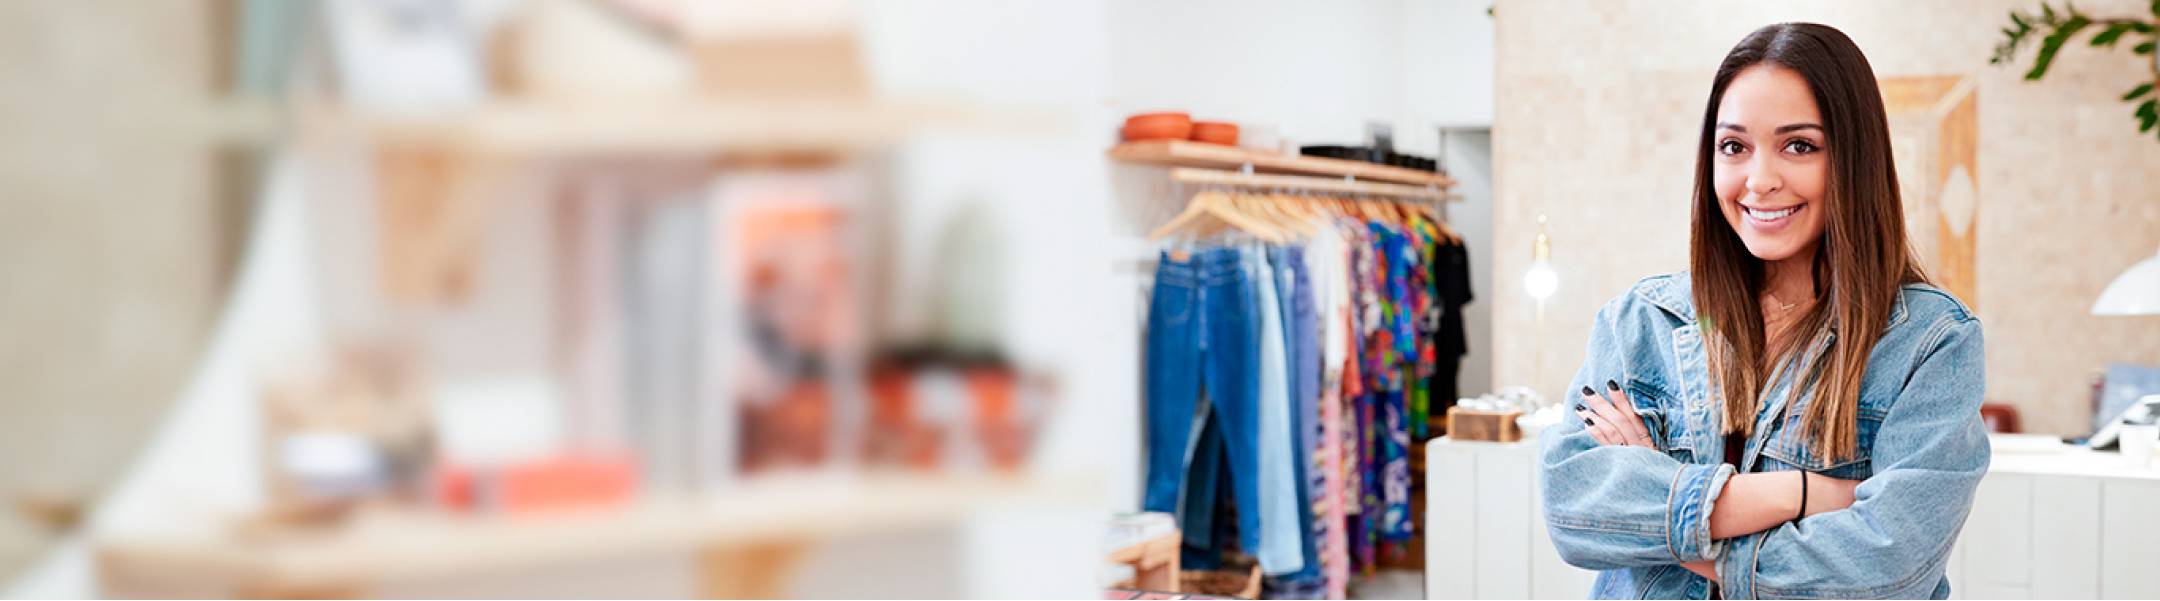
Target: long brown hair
1858 267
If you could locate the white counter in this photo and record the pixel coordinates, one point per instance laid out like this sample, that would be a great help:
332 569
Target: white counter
2050 521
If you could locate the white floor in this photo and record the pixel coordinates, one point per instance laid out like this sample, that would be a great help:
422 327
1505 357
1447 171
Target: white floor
1389 584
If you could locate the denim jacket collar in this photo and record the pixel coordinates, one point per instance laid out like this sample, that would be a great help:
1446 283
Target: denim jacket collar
1676 295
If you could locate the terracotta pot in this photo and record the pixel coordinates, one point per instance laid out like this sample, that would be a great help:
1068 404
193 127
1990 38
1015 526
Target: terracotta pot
1215 133
1158 126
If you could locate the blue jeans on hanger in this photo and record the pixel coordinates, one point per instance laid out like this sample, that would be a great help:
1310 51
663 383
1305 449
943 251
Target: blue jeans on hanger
1173 380
1204 332
1301 330
1199 512
1281 532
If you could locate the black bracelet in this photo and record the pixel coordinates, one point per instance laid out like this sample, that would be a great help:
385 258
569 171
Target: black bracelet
1803 496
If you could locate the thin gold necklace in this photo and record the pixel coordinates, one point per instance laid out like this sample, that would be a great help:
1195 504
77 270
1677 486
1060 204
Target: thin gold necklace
1782 306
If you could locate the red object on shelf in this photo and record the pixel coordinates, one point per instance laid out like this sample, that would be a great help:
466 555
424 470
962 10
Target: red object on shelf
1158 126
2000 417
573 481
1215 133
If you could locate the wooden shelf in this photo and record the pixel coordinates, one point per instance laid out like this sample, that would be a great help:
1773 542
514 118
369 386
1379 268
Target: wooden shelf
440 173
650 127
1304 182
1181 153
410 545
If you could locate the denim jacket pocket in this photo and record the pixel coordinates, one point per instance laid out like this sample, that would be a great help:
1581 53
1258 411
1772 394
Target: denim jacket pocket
1797 452
1664 417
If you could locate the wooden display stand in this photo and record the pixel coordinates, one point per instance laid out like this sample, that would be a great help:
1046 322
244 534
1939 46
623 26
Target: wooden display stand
1155 563
1489 426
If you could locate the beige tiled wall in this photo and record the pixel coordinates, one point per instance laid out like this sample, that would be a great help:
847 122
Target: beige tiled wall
1599 105
108 239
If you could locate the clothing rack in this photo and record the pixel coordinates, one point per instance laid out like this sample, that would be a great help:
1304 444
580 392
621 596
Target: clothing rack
1347 184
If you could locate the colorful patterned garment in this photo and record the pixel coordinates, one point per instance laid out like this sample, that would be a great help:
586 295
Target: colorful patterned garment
1426 319
1394 348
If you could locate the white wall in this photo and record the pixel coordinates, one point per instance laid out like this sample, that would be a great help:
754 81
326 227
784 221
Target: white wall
1468 157
1317 71
1448 64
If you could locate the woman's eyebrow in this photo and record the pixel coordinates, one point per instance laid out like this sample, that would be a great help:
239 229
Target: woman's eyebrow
1785 129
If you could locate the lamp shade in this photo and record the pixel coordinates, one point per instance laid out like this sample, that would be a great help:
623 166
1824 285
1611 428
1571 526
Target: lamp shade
1540 281
2135 292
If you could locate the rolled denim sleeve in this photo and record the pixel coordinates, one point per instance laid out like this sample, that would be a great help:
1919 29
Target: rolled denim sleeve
1616 507
1894 542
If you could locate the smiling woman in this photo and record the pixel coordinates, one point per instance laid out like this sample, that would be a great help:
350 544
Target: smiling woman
1800 411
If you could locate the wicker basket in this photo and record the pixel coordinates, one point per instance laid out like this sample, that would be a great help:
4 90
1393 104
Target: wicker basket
1224 583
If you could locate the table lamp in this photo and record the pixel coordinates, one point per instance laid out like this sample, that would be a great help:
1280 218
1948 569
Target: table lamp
1540 282
2135 292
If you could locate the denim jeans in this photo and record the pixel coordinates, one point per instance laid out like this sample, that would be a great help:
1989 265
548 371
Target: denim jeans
1205 482
1278 551
1204 339
1173 382
1303 354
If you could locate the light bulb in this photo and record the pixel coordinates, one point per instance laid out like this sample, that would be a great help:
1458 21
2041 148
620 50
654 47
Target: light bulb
1541 281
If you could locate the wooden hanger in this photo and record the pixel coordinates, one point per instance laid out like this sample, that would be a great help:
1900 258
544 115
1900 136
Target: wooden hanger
1211 208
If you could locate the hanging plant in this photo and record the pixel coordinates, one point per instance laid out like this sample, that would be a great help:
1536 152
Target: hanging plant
2054 29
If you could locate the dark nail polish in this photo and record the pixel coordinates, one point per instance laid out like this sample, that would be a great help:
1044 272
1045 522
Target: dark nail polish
1586 391
1581 407
1587 422
1614 386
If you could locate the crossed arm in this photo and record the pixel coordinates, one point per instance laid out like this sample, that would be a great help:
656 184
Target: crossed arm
1750 503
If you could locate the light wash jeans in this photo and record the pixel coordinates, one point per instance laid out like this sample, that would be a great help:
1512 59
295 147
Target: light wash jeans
1279 551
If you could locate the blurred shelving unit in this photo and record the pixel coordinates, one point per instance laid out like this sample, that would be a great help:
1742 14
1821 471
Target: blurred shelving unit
538 129
436 182
450 167
747 541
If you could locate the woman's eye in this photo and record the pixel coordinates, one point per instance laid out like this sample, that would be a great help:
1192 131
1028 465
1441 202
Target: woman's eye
1730 148
1800 147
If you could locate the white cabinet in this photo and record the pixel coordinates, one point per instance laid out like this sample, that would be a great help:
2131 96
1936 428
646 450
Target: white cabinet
1485 536
2130 540
2062 524
2065 537
1998 558
2069 524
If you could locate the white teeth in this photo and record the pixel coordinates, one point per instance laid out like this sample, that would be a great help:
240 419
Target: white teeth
1771 215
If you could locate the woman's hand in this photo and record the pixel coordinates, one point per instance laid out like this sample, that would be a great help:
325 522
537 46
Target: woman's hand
1613 422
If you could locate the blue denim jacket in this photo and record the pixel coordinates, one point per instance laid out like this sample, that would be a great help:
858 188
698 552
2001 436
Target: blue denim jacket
1636 513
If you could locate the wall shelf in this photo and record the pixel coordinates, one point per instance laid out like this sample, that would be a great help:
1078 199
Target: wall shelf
1190 175
393 546
692 127
1181 153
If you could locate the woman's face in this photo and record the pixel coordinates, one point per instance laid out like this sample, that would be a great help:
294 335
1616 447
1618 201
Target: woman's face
1771 162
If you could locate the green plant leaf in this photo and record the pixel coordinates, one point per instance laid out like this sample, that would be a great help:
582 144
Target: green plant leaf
2138 91
2147 117
2141 27
2053 43
2047 13
2018 19
2156 8
2145 48
2112 34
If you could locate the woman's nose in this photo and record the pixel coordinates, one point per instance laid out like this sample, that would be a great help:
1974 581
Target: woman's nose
1763 179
